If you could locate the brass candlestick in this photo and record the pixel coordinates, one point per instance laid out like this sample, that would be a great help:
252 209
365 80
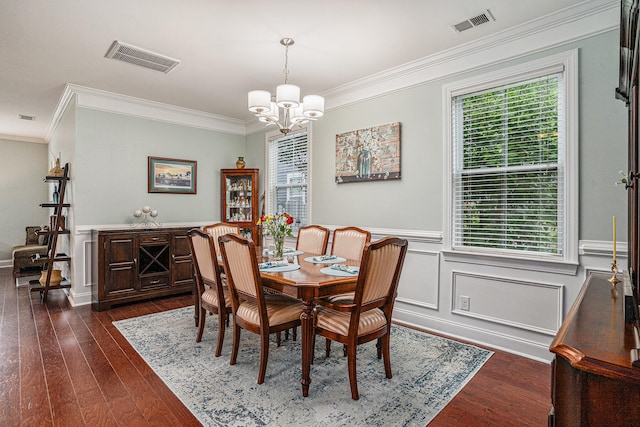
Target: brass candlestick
614 269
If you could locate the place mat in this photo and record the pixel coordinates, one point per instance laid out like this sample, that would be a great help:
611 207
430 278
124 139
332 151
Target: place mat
280 268
291 252
335 272
334 259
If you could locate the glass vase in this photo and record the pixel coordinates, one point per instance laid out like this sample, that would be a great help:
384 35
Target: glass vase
278 248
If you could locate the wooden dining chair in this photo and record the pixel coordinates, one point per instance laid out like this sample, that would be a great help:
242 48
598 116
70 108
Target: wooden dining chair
368 316
220 229
348 242
313 239
213 294
253 310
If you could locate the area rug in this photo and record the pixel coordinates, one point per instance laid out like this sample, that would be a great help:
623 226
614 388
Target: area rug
428 371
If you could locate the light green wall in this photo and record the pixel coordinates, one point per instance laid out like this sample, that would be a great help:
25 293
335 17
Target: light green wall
109 153
603 140
111 168
24 164
416 201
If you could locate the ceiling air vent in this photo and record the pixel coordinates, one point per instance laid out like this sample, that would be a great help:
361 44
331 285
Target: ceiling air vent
474 21
25 117
144 58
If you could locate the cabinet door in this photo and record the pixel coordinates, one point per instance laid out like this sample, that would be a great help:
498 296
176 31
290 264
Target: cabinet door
240 200
182 265
120 261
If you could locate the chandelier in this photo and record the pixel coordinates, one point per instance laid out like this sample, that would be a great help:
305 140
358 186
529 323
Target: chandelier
294 113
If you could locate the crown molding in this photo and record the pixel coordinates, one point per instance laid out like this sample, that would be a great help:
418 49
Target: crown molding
136 107
22 138
571 24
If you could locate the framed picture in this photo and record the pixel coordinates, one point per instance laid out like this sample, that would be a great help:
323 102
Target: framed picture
172 175
369 154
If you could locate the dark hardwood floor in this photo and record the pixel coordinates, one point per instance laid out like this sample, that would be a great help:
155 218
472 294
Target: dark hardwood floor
61 365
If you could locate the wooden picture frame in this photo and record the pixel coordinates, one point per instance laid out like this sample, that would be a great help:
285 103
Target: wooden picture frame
175 176
370 154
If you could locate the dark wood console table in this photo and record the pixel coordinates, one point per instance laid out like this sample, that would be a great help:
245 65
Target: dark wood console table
592 381
137 264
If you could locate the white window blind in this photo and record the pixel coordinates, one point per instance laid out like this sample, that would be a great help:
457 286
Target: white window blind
508 167
288 170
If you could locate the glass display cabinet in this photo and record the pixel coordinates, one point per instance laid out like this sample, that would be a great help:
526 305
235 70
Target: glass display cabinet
240 200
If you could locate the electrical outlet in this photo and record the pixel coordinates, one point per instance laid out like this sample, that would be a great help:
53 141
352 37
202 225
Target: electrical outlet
464 302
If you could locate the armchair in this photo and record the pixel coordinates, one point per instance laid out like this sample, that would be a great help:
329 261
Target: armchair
21 255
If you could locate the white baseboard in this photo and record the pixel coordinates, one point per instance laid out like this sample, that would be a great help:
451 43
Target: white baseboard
508 343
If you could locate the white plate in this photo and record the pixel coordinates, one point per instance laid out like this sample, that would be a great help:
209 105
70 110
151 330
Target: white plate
289 267
333 272
326 261
285 253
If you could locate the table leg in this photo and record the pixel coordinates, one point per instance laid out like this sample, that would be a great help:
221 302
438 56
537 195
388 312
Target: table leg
307 318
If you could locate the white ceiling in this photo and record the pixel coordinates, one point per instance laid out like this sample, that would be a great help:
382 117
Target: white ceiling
226 48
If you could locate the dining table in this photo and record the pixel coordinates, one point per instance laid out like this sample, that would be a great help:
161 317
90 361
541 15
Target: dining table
308 283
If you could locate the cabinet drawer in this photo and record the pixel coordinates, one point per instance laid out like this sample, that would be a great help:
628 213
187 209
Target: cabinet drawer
154 282
154 239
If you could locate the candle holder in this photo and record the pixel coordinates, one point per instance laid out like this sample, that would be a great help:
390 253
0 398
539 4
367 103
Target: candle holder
614 269
145 217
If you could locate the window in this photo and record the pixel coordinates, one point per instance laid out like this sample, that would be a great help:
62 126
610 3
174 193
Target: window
288 176
508 166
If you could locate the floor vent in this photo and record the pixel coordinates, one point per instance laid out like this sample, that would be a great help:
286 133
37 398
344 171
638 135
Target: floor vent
469 23
141 57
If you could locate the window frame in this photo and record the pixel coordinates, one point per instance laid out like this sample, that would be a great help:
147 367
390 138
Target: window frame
567 63
273 135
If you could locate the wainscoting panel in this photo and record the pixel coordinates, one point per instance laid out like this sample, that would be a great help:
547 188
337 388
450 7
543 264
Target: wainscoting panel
533 306
419 281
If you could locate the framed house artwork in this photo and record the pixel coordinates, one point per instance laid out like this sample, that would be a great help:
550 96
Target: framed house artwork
172 175
369 154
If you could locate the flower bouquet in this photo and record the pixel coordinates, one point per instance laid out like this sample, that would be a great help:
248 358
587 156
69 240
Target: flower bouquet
278 227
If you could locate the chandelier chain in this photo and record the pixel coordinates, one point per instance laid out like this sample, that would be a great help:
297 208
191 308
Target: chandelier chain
286 64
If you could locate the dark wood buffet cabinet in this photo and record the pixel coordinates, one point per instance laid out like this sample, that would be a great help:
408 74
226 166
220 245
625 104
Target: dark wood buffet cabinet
596 372
137 264
593 381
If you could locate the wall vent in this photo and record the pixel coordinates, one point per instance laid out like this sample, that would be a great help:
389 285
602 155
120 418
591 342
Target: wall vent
25 117
141 57
474 21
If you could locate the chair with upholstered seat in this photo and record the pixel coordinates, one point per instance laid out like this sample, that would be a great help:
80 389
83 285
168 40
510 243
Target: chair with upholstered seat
253 310
348 242
220 229
213 295
368 316
313 239
22 255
